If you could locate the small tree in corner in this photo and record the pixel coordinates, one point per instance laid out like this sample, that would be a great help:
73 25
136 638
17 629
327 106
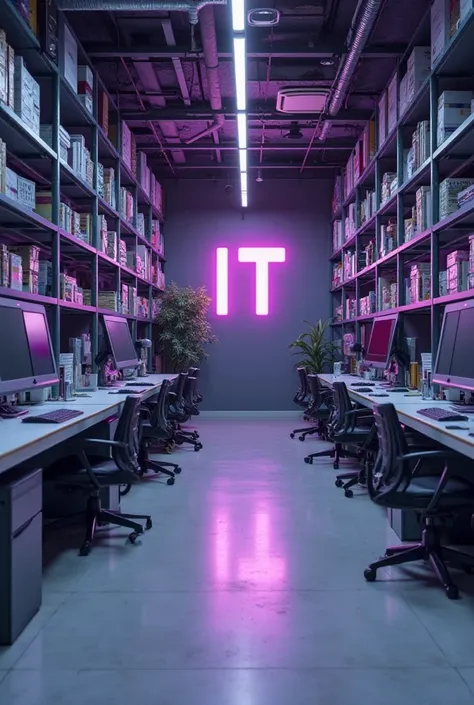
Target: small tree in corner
183 327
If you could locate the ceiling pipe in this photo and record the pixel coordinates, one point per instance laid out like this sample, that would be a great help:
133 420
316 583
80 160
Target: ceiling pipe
325 130
192 7
360 35
211 62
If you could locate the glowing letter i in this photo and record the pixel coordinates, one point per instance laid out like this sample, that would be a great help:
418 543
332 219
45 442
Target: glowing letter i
262 256
222 281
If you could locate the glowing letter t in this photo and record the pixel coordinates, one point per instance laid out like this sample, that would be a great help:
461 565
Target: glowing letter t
262 256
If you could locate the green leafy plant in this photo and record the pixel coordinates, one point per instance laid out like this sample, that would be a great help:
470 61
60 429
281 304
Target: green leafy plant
183 328
314 347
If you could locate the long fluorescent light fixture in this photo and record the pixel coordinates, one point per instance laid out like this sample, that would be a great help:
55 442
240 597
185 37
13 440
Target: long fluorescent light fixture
243 181
240 72
244 199
238 15
242 130
243 160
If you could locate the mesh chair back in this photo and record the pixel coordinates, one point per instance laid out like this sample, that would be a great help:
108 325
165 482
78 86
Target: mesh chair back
342 403
128 432
315 391
392 444
158 415
182 377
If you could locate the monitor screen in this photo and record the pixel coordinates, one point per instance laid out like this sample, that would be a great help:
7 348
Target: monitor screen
454 365
380 343
27 362
120 341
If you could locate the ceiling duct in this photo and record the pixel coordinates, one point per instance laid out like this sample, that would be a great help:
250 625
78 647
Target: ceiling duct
192 7
359 37
211 61
263 17
301 100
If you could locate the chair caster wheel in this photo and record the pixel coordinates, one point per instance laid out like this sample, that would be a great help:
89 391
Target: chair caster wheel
348 493
170 481
149 524
133 536
308 460
197 447
452 592
195 436
124 489
301 438
292 435
335 465
339 483
370 574
177 471
85 548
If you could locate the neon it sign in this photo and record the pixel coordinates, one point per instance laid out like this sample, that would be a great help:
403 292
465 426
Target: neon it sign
262 257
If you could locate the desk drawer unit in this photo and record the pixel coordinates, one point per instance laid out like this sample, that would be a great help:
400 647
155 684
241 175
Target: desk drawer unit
20 552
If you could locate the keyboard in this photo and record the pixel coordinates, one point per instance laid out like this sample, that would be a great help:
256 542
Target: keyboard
125 391
55 416
437 414
363 389
140 384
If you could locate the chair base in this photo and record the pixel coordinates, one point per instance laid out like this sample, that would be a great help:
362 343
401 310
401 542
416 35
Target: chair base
95 516
158 468
429 550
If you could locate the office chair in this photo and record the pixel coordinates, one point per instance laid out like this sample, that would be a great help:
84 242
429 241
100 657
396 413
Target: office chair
177 413
154 428
426 481
195 372
92 473
319 409
345 430
303 390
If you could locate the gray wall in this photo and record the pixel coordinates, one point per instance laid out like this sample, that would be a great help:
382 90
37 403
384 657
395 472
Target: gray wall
251 368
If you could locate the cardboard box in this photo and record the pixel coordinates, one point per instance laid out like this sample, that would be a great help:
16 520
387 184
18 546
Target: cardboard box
11 184
454 107
382 119
440 28
392 104
26 192
403 95
68 57
103 112
418 70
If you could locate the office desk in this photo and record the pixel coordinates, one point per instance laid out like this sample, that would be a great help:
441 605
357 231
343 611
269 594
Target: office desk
407 408
22 441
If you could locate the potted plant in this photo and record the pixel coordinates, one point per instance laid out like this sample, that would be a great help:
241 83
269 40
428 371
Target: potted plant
183 328
316 350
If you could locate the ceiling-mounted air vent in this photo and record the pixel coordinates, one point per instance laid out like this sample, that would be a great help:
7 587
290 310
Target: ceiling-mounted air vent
301 100
263 17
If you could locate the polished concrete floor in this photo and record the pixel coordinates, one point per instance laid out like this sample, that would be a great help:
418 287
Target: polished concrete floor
249 590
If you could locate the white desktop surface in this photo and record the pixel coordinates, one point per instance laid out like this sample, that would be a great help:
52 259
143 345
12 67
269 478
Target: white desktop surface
407 407
21 441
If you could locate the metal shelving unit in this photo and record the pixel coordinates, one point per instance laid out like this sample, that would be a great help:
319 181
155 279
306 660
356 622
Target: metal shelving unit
454 157
32 158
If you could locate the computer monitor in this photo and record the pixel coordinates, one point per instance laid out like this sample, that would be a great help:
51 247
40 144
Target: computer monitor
381 340
454 366
26 354
120 342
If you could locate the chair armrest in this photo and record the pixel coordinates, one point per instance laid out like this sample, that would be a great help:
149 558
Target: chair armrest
102 442
426 454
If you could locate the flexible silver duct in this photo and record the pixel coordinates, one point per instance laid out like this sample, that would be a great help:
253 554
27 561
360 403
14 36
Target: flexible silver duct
325 130
360 36
192 7
211 61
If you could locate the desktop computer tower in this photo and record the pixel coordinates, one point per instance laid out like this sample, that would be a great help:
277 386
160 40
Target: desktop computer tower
21 556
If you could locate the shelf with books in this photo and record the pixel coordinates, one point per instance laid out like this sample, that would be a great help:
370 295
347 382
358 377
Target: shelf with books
422 252
59 162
